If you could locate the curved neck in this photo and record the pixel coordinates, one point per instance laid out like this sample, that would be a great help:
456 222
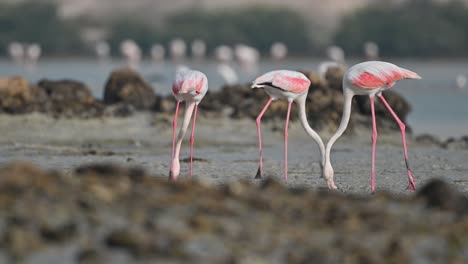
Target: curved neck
305 124
348 98
189 106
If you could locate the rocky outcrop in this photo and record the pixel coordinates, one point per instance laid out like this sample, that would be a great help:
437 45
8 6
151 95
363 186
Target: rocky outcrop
69 98
101 213
18 96
128 87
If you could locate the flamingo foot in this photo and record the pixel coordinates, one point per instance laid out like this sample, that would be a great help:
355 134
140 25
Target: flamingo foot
331 185
172 177
411 183
259 174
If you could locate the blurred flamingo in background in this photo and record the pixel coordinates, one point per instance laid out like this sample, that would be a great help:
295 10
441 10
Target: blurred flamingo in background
461 82
32 55
17 52
247 57
198 47
278 51
131 52
157 52
369 78
102 49
189 86
224 56
292 86
336 54
371 50
336 59
177 49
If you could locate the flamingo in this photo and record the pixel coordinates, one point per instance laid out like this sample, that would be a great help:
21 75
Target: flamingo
292 86
370 78
198 47
371 50
278 51
189 86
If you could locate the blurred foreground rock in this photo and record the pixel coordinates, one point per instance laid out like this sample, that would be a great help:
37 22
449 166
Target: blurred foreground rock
101 213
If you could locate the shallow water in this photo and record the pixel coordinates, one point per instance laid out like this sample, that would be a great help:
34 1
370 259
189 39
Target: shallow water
438 107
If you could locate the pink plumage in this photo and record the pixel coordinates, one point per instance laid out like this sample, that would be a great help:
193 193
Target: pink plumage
189 86
187 81
291 81
378 74
292 86
370 78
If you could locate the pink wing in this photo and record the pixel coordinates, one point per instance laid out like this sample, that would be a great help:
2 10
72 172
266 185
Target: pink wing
294 84
290 81
377 74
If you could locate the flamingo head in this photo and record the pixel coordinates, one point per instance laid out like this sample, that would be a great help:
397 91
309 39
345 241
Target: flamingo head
328 173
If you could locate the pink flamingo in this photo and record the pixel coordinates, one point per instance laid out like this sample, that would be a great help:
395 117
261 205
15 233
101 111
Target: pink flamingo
189 86
370 78
292 86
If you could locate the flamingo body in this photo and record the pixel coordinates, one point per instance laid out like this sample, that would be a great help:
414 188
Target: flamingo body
292 86
289 83
376 75
370 78
189 86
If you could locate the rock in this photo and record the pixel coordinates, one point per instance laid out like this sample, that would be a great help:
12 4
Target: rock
69 98
18 96
120 110
428 140
334 78
439 194
49 216
383 117
136 242
127 86
456 144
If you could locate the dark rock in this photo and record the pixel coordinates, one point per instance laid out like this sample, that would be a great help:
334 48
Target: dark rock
69 98
120 110
18 96
334 78
139 243
127 86
383 117
91 256
429 140
440 194
456 144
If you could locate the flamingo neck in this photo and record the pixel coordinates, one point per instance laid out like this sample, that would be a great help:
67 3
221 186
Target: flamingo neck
189 106
305 124
348 98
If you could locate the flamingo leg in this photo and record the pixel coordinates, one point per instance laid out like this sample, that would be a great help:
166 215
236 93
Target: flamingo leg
192 140
174 129
412 184
286 142
175 161
374 142
259 134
